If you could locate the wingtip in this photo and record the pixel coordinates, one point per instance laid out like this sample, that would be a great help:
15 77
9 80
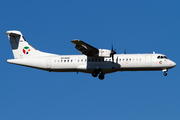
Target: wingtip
75 40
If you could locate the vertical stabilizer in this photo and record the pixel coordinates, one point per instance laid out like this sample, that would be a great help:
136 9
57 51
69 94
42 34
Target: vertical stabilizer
20 47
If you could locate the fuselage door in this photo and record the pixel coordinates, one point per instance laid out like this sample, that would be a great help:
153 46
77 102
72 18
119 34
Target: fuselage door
148 60
48 63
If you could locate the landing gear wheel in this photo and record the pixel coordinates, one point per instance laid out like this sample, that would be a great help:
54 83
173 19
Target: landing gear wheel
94 74
101 76
165 74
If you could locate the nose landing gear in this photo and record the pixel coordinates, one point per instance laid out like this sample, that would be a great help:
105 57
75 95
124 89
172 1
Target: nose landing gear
165 72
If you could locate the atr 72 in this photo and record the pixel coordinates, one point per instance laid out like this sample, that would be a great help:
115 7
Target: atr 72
97 62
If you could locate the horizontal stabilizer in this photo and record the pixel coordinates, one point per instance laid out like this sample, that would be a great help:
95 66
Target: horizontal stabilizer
13 33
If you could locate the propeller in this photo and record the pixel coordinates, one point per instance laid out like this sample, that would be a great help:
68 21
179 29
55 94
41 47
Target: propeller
112 53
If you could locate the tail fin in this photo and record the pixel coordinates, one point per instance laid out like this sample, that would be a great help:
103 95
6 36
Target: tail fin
20 47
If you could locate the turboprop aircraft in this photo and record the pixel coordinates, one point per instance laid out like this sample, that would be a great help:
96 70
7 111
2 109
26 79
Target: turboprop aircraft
97 62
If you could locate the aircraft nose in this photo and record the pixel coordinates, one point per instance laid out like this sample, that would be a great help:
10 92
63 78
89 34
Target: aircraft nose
173 64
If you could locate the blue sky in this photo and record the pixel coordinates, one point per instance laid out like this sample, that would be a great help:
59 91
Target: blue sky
140 26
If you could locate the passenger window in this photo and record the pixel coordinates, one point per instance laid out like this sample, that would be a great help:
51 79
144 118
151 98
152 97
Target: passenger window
92 60
64 60
82 60
71 60
119 59
130 59
139 59
126 59
95 60
67 60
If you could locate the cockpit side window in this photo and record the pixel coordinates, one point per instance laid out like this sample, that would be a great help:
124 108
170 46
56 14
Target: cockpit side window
158 57
165 57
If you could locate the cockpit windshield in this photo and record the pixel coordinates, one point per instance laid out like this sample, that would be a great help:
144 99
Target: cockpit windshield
162 57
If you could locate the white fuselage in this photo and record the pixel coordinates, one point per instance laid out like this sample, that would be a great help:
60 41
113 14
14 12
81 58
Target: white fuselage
82 63
94 61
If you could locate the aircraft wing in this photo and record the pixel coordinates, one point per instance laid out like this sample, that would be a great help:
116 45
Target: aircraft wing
85 49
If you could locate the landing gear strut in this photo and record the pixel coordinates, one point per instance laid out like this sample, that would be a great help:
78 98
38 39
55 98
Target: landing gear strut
165 70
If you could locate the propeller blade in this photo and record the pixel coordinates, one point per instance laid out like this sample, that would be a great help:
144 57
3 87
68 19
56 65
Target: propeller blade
113 58
112 53
111 47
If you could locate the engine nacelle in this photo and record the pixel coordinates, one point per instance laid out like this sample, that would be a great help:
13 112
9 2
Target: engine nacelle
104 53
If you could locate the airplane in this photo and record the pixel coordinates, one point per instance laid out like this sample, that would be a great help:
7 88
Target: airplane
97 62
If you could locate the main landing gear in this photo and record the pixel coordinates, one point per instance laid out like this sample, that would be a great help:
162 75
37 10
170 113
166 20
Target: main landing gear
101 76
96 72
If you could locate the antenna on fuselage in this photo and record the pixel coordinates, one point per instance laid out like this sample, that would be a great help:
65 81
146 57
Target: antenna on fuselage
125 50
